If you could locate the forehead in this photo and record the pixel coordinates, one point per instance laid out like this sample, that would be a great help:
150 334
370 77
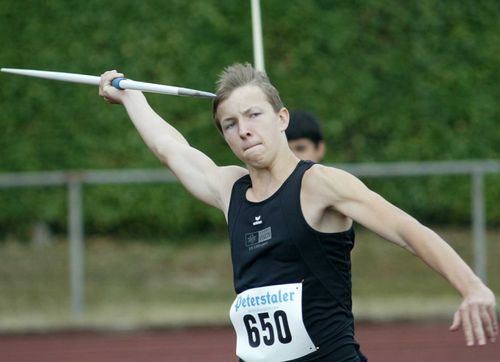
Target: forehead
241 99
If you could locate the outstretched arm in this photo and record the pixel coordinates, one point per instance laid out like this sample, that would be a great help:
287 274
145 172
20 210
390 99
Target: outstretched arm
348 195
196 171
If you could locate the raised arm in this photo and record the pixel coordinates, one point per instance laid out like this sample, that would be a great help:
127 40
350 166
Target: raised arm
349 196
196 171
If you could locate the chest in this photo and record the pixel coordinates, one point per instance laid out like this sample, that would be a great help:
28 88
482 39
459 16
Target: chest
261 231
263 248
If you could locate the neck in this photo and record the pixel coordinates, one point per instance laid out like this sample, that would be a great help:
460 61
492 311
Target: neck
267 180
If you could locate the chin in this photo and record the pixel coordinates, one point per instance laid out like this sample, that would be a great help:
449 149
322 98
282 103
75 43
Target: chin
253 156
256 162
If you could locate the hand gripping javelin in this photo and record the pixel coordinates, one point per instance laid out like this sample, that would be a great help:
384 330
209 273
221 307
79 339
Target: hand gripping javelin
119 83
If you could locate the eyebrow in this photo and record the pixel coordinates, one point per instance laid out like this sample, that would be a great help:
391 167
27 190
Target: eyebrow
252 109
245 112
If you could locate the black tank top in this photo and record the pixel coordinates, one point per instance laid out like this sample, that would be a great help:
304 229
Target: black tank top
271 243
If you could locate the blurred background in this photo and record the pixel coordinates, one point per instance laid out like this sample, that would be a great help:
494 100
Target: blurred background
391 81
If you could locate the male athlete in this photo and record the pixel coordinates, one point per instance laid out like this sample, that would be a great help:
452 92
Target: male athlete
291 227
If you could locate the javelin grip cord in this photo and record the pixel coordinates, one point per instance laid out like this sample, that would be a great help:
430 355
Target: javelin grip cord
116 82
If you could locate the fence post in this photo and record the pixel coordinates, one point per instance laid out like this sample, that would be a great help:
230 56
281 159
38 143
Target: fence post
479 224
75 236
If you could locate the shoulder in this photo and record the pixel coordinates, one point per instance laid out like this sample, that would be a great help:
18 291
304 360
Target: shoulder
233 171
228 175
330 182
225 180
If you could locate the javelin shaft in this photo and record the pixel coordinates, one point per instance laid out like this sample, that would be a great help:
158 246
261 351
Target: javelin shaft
120 83
65 77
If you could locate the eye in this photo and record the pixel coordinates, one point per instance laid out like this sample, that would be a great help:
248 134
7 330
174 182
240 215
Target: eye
254 114
229 125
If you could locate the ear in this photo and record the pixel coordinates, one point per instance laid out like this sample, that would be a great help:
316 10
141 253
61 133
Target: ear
321 150
284 117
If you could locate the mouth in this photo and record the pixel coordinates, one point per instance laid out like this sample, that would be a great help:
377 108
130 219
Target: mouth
246 148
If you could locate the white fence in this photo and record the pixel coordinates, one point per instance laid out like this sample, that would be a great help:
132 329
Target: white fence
74 180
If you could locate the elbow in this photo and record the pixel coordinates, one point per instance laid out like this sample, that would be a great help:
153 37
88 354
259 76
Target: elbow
409 248
416 236
408 228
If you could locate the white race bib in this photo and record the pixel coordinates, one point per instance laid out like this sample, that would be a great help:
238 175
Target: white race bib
268 324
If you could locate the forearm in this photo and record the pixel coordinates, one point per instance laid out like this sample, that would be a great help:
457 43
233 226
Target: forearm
439 255
155 132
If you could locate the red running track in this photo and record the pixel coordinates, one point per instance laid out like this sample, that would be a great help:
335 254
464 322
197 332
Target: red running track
381 343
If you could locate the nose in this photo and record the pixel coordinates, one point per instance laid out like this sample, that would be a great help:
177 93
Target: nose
244 130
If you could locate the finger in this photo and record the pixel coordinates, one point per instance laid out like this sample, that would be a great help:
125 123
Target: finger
106 79
456 322
101 83
108 76
493 315
110 100
467 327
477 324
487 323
111 74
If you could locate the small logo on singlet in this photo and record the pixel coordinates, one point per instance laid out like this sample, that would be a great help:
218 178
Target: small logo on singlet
257 221
258 239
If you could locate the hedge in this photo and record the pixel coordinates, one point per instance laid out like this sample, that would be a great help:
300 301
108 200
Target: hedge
390 80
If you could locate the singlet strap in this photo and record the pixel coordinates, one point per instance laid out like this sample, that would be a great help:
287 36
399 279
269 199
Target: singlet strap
238 198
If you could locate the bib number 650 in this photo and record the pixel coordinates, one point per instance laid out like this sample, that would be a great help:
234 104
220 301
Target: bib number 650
265 325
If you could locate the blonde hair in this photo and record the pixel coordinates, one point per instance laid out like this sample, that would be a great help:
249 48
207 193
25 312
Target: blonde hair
239 75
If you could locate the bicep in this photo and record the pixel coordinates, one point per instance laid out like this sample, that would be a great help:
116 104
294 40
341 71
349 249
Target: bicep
371 210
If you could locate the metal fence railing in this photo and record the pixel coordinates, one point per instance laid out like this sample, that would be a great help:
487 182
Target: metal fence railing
74 180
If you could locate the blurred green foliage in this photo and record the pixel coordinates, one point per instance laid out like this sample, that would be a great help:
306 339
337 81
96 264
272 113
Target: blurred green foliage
391 81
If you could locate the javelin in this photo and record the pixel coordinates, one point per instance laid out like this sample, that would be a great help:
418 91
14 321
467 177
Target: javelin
119 83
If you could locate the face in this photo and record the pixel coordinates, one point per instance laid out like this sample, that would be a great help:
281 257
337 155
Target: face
305 149
251 127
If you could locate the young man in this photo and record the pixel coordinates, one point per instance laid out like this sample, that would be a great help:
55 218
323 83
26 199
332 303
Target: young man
291 227
305 137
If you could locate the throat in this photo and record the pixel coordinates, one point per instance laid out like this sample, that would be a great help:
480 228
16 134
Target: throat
255 194
266 182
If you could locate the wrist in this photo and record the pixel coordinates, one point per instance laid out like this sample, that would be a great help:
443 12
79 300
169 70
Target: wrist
472 286
130 97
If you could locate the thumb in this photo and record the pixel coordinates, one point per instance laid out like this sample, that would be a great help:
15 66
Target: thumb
456 322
